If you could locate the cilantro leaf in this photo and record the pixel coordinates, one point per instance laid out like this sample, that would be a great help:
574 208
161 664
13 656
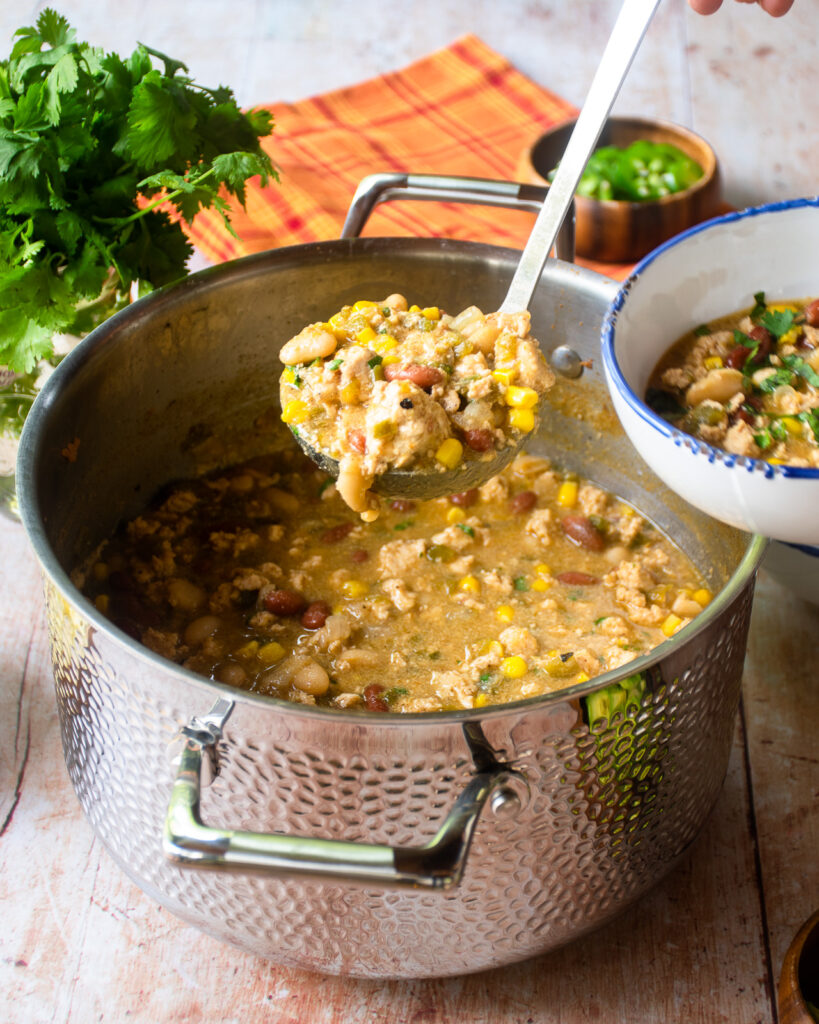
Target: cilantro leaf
802 369
778 322
759 306
780 376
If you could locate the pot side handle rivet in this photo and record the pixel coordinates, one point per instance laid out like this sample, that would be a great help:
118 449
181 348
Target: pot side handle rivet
565 361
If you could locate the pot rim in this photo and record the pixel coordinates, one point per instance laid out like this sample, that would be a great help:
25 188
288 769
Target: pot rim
237 269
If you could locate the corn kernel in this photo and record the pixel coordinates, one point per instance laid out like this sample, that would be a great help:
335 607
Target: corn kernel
469 584
567 493
271 652
540 585
295 411
337 321
522 420
455 515
776 462
249 649
505 612
383 344
101 601
480 701
365 335
542 569
582 677
289 375
364 304
514 667
792 425
387 360
520 398
626 510
671 624
713 363
504 376
703 596
450 453
432 313
354 589
491 647
414 309
350 393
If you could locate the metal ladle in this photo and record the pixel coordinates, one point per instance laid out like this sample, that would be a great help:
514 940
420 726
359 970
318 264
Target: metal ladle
624 41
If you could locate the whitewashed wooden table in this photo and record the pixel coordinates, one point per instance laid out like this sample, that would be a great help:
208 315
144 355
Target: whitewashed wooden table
79 943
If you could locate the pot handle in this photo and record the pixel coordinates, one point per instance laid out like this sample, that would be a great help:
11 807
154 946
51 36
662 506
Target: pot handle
439 864
380 188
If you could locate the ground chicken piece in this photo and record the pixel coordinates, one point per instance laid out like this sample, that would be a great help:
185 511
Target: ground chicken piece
420 425
740 440
617 656
532 368
212 648
591 500
275 533
179 502
654 558
346 700
588 662
417 704
454 688
461 566
267 622
249 579
517 640
478 663
631 574
548 606
336 630
627 527
301 581
713 433
496 580
237 543
676 377
223 597
540 525
399 557
616 626
458 539
546 485
298 696
637 607
141 527
495 489
400 594
168 645
164 564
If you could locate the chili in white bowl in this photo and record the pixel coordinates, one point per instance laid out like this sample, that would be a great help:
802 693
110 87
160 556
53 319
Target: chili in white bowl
698 277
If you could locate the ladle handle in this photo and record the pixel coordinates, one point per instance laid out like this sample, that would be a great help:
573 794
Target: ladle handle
626 36
381 188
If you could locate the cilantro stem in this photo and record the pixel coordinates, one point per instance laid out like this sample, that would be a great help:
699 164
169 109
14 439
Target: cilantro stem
167 198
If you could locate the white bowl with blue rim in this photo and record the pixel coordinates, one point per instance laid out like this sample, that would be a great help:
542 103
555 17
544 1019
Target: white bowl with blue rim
795 566
710 271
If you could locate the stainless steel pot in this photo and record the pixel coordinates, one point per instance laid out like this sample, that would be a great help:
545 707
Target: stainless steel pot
354 843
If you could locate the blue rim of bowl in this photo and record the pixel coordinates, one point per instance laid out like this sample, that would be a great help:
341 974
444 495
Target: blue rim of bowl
618 382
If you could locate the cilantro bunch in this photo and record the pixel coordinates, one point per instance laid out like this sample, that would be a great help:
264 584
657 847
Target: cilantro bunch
91 145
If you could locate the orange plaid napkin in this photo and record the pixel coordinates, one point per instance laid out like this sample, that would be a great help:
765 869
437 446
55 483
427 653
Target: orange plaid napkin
463 110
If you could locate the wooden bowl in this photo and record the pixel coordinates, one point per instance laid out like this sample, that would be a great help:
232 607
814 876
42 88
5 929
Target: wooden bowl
615 231
800 969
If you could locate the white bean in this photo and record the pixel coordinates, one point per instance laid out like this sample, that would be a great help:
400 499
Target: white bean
314 342
185 595
396 302
200 629
718 386
310 677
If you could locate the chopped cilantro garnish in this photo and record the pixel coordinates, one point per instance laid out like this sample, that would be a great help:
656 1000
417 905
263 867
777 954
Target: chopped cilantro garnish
763 440
375 361
811 417
701 331
760 307
521 583
803 369
598 621
778 322
467 529
394 692
335 364
293 430
778 431
404 525
780 376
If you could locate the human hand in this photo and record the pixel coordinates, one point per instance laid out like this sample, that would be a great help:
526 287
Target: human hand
776 8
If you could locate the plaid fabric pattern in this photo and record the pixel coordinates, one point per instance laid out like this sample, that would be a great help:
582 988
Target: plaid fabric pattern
463 110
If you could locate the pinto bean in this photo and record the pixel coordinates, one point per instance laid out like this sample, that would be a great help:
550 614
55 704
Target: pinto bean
579 579
464 499
583 532
357 441
335 534
735 359
523 502
812 313
422 376
284 602
315 615
231 674
360 555
480 439
373 698
765 339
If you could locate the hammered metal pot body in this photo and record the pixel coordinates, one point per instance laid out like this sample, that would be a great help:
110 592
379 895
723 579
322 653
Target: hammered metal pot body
177 383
